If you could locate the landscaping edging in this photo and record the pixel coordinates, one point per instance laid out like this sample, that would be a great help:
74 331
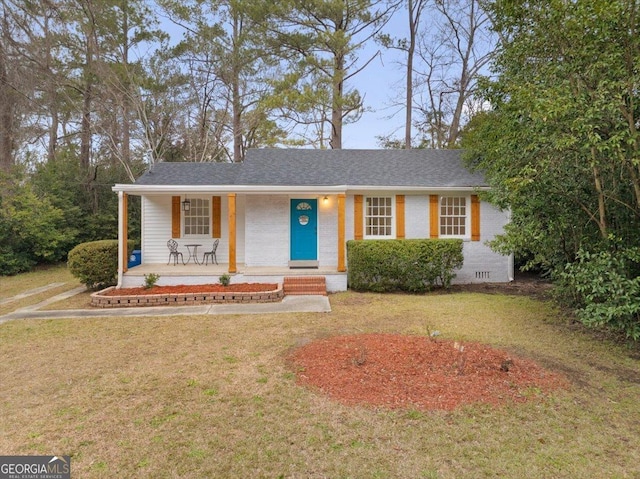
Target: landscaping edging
100 300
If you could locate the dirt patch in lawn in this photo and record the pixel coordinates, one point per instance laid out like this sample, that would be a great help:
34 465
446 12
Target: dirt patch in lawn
200 288
412 372
524 284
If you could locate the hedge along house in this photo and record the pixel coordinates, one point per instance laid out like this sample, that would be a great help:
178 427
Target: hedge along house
290 212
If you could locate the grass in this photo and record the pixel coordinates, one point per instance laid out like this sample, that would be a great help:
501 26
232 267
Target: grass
78 301
211 396
11 286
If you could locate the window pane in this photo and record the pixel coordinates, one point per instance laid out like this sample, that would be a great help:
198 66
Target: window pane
197 220
378 216
453 215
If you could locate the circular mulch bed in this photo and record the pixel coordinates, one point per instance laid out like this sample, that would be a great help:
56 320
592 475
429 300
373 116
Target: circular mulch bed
199 288
412 372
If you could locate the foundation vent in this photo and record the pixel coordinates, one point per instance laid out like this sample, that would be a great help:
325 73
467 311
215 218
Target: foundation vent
483 275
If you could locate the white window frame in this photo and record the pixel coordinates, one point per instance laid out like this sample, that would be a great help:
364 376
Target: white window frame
467 216
205 225
392 217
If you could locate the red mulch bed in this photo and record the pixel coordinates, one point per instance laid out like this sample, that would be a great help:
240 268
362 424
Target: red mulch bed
199 288
411 372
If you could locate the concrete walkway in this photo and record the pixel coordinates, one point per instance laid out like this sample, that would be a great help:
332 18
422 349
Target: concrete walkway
289 304
30 292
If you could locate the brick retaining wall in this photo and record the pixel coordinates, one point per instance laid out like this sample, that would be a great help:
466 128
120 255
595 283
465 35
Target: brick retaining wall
99 300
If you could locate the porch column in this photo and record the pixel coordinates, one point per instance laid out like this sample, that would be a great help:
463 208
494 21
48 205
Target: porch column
123 224
342 246
232 233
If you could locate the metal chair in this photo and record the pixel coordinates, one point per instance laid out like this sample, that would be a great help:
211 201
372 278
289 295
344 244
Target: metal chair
211 254
173 252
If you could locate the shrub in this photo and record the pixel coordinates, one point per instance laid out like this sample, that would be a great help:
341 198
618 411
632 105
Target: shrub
95 263
414 265
32 230
604 287
14 262
225 279
150 280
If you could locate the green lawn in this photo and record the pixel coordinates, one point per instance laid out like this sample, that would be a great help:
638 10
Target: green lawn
211 396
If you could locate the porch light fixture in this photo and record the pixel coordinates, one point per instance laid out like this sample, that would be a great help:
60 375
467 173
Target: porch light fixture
186 205
325 200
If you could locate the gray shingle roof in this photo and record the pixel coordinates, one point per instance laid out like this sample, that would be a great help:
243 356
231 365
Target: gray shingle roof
191 174
300 167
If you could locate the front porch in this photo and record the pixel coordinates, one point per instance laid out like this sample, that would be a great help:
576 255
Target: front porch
206 274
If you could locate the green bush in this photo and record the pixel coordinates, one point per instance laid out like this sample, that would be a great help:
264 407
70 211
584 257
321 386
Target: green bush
414 265
32 230
95 263
604 288
150 280
225 279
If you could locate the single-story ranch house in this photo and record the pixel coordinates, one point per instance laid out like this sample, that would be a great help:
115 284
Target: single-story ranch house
286 212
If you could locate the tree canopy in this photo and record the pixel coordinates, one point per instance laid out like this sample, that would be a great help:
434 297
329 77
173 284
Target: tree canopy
560 144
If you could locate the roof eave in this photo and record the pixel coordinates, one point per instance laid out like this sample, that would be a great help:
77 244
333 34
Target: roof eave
246 189
257 189
417 189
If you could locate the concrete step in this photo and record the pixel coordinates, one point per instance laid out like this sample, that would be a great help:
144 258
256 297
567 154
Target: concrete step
305 285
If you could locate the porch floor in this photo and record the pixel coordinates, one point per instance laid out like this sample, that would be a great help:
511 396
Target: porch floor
217 270
203 274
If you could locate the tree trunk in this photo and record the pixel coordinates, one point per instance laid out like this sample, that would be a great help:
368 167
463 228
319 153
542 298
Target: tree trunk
87 100
85 128
414 19
235 96
463 85
53 129
126 109
6 115
51 88
237 124
602 211
454 129
336 103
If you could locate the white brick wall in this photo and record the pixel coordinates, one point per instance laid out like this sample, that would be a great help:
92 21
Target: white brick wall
240 229
416 216
348 227
267 230
481 264
328 232
263 233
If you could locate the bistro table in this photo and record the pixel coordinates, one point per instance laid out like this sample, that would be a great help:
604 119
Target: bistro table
193 252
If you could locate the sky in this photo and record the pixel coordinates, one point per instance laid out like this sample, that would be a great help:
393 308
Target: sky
380 83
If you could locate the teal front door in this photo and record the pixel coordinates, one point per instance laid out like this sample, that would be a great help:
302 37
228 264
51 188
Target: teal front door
304 230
